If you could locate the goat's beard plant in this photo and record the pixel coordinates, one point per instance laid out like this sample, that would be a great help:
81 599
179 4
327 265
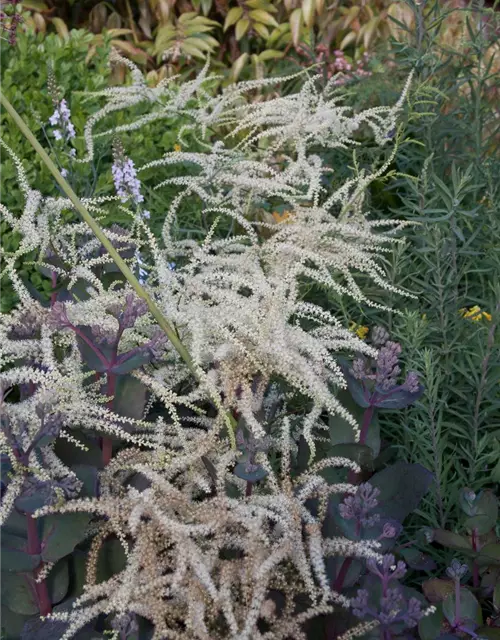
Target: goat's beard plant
217 543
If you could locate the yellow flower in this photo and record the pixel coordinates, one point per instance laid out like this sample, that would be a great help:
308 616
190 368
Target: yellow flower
475 314
360 330
281 217
177 147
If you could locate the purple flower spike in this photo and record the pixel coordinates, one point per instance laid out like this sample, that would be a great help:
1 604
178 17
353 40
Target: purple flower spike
357 507
127 185
62 118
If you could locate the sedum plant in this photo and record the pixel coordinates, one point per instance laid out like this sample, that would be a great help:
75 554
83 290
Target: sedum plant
188 482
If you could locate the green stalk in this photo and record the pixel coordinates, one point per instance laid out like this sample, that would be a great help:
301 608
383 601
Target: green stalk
121 264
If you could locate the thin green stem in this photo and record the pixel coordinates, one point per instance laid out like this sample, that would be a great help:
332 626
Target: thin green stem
119 261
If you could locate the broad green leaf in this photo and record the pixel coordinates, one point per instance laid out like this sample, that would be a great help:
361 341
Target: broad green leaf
130 397
486 513
451 540
232 17
15 556
437 590
11 624
61 534
402 486
263 17
241 28
429 627
469 607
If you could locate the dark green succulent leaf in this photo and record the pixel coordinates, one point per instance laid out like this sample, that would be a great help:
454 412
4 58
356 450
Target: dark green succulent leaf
437 590
15 525
79 291
58 581
490 633
38 629
360 394
130 397
89 356
37 295
402 486
36 500
398 399
112 560
12 624
467 499
71 454
134 362
209 466
90 477
486 513
469 607
341 432
489 555
45 440
356 568
431 626
362 454
18 593
77 565
249 476
15 556
415 559
61 534
5 468
452 540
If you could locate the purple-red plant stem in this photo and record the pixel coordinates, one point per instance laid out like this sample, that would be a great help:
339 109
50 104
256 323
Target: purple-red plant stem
353 477
53 296
34 547
475 568
249 488
98 353
339 580
365 425
457 602
107 443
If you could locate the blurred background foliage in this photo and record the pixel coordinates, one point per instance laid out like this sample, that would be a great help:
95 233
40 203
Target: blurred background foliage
246 36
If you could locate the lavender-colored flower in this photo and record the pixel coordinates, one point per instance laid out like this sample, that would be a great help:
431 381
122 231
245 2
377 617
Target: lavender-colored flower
58 318
250 446
127 184
125 624
379 336
386 569
456 570
134 307
413 613
52 421
391 609
357 507
62 118
157 343
360 603
359 369
388 368
389 530
411 383
103 335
